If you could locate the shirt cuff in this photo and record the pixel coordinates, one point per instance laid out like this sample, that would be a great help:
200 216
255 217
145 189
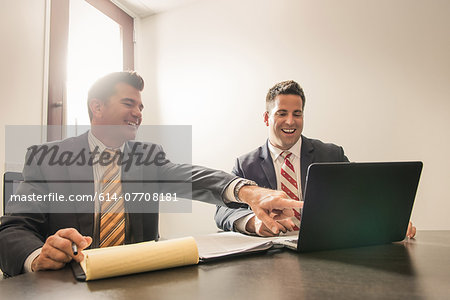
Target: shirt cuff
29 260
229 192
240 224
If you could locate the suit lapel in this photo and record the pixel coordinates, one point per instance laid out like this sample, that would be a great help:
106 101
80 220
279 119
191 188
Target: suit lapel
82 183
267 166
307 158
132 182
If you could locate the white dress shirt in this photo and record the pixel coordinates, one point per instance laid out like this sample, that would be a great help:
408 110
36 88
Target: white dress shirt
277 160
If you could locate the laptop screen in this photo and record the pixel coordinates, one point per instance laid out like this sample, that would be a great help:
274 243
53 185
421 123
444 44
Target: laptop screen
357 204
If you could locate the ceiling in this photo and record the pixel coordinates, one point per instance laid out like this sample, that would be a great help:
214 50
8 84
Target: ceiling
145 8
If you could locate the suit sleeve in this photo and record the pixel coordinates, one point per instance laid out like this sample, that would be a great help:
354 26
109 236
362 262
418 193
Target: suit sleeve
193 182
226 216
22 233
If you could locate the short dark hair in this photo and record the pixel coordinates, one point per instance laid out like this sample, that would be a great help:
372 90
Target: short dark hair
103 88
288 87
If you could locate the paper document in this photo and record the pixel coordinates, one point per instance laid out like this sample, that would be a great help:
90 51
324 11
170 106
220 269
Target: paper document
150 256
140 257
230 243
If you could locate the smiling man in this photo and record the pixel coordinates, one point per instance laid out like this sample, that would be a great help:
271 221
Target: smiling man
116 120
282 162
105 168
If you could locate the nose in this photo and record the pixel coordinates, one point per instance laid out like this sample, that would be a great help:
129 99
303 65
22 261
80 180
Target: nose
137 113
290 120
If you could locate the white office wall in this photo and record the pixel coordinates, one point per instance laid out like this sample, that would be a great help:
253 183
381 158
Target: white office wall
22 35
376 76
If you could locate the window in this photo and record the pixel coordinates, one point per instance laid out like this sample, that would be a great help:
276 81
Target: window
87 39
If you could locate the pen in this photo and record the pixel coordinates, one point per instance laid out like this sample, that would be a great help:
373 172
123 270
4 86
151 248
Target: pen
74 248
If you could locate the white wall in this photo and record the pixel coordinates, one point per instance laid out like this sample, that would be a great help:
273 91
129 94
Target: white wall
22 34
375 73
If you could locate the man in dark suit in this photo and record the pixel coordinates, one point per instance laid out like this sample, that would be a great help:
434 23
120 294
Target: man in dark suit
109 171
266 165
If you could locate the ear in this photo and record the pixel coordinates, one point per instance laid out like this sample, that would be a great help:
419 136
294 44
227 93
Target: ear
96 107
266 118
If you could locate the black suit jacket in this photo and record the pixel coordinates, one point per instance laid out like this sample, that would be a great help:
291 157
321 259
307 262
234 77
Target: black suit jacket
258 166
22 233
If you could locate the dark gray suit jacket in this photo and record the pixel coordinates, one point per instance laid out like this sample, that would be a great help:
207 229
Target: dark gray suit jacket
22 233
258 166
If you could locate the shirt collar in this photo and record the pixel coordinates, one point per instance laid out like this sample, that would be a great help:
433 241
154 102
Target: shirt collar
95 142
295 150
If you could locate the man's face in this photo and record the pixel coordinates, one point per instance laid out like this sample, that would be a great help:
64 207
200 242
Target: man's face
123 108
285 121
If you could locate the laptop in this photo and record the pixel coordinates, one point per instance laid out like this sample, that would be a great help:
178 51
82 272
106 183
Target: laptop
356 204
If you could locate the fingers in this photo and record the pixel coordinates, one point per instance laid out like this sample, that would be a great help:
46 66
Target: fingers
283 208
250 226
286 203
74 236
279 214
411 232
44 263
62 241
57 250
255 225
284 214
70 235
270 223
262 230
266 233
287 224
88 241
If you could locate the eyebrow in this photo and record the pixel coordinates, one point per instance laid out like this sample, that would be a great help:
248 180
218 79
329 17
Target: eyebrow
285 110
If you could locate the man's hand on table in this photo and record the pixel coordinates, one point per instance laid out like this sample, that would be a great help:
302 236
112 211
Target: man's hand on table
57 250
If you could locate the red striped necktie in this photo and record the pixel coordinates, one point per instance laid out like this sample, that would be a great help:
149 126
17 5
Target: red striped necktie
289 184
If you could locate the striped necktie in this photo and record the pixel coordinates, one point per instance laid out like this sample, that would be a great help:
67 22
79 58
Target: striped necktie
112 217
289 184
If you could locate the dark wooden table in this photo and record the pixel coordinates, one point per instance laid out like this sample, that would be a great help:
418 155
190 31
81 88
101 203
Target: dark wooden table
415 269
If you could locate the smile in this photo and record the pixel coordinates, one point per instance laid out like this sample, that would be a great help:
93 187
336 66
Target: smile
288 131
132 123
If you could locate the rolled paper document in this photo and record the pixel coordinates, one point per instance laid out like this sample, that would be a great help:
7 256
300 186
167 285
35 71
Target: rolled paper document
140 257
